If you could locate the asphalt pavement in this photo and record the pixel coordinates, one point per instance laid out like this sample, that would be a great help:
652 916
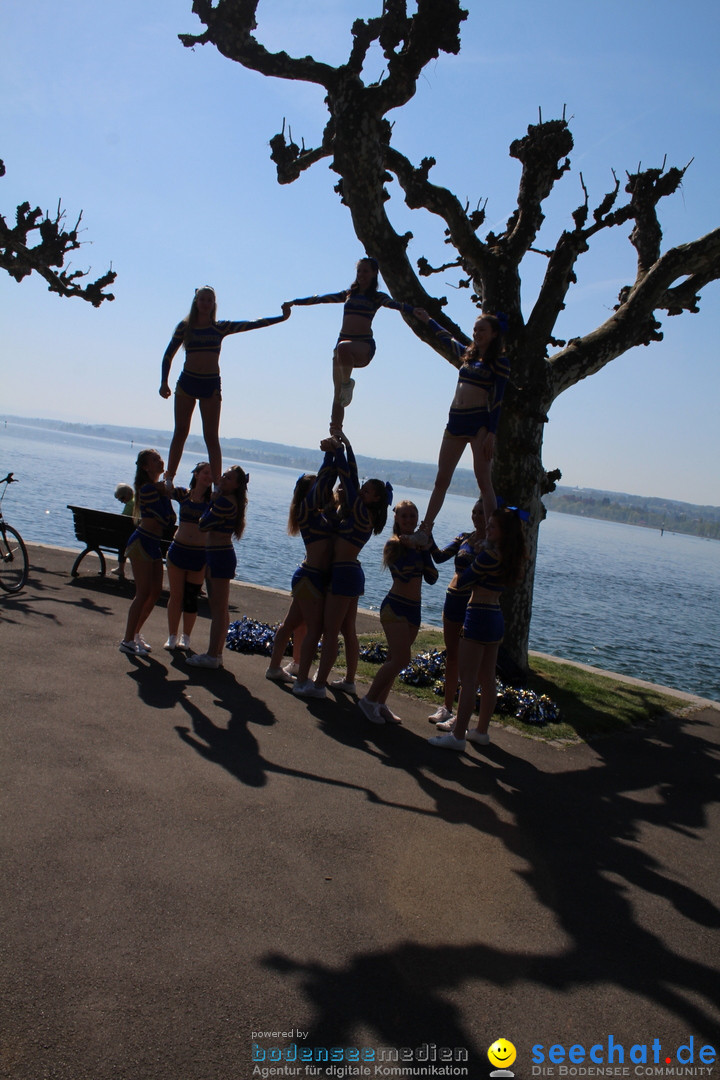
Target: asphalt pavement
199 868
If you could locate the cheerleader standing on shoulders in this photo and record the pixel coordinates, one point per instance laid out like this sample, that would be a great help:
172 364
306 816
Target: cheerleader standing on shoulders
500 563
186 556
222 521
153 514
366 515
463 549
202 335
312 493
400 610
475 409
355 346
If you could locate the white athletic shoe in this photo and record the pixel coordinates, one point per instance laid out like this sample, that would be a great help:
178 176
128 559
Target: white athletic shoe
171 642
371 710
342 684
447 742
204 660
441 715
480 738
276 674
346 393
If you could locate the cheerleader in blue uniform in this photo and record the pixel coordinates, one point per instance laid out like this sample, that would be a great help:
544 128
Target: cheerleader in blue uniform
365 515
202 336
475 411
463 549
355 346
186 556
153 514
400 610
222 521
307 518
499 563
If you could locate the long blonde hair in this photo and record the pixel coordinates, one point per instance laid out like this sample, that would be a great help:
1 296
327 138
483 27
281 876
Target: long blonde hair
192 318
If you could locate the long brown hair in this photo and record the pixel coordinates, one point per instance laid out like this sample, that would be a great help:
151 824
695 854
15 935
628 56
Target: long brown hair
141 478
241 498
302 487
512 547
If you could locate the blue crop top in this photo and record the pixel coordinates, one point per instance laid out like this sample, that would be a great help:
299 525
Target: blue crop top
210 338
462 550
488 375
153 504
190 511
312 522
358 303
411 564
220 516
485 570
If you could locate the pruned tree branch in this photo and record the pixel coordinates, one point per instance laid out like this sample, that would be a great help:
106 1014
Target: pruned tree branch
633 322
20 258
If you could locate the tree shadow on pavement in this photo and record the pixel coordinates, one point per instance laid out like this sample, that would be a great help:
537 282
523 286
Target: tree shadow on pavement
604 840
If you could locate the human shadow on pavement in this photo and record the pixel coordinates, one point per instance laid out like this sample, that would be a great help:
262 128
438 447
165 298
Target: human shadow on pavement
579 830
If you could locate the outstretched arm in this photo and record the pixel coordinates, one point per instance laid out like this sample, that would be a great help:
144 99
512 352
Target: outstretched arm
226 327
327 298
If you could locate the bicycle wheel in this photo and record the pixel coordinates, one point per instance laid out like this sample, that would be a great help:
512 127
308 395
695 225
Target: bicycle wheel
13 559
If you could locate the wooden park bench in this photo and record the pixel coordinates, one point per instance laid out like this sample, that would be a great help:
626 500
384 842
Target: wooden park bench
101 531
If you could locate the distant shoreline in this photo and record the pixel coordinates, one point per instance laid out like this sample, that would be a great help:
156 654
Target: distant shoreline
648 512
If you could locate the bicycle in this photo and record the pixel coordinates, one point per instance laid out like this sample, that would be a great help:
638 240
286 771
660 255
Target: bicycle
13 553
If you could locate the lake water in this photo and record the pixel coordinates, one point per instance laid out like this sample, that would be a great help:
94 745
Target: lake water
619 597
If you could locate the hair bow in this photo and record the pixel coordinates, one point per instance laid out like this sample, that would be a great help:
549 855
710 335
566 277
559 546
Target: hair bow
523 515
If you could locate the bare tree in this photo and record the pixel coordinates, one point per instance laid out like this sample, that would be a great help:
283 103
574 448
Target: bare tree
357 140
47 257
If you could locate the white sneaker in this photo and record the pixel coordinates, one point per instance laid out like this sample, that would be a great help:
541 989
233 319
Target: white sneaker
204 660
309 689
480 738
171 642
292 669
128 647
447 725
447 742
276 674
342 684
346 393
142 644
184 641
440 715
388 714
371 710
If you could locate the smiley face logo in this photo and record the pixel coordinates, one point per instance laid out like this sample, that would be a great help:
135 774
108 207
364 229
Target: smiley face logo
501 1054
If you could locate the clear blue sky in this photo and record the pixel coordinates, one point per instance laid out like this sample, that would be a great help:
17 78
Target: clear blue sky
165 150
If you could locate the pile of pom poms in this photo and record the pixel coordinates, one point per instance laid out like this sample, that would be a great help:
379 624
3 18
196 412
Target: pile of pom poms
428 669
250 636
